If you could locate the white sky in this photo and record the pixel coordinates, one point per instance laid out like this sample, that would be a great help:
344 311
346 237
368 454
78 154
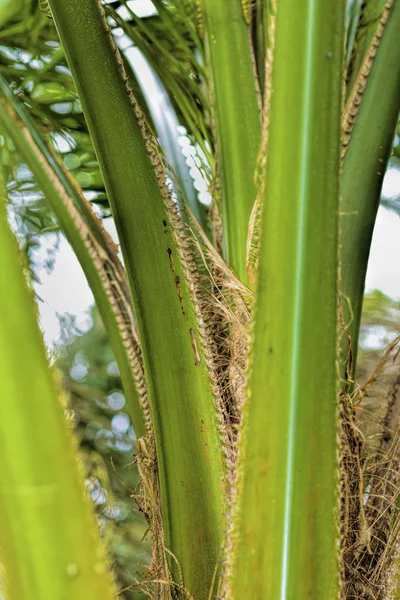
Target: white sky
64 290
384 264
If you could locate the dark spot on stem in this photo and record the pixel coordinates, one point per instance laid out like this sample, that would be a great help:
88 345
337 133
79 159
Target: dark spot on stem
179 290
194 346
171 260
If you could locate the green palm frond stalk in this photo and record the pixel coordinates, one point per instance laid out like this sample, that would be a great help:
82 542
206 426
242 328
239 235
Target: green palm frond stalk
93 247
41 485
237 122
286 530
159 270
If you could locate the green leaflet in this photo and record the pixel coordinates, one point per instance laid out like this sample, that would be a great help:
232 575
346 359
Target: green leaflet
285 542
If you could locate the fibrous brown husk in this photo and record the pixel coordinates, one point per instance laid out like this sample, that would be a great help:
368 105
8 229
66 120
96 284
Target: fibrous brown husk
370 491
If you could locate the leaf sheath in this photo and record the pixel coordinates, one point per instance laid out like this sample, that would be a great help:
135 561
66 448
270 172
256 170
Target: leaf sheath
286 528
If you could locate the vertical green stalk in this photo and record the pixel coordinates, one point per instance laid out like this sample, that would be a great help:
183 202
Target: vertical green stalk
176 363
48 536
237 121
286 528
367 153
96 254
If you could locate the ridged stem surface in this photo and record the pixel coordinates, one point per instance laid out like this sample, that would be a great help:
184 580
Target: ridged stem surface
286 529
175 360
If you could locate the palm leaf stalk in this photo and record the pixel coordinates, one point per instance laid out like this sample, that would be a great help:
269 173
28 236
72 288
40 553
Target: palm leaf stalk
91 244
369 122
41 487
180 387
288 462
237 122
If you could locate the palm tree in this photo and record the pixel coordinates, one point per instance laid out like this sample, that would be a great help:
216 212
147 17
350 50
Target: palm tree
235 327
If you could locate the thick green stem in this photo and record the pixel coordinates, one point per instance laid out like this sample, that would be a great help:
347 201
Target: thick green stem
286 536
363 169
237 121
49 540
181 393
94 250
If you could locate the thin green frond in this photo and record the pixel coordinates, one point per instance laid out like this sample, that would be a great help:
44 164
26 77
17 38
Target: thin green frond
353 11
